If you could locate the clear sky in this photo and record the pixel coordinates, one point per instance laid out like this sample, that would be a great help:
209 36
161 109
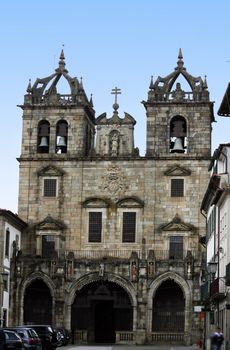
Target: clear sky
109 43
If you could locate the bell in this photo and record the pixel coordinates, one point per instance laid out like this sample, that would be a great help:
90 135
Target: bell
178 147
61 142
44 142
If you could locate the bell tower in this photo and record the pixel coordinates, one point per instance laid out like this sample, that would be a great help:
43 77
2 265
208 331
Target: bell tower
55 123
178 119
58 129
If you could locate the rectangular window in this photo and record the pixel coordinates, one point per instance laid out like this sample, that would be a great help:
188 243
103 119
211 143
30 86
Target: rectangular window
7 243
48 246
50 188
95 226
129 227
177 187
176 247
5 281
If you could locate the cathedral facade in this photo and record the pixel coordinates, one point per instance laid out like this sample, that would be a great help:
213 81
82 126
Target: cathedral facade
111 250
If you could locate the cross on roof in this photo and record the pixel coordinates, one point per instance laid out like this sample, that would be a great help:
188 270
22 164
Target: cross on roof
116 91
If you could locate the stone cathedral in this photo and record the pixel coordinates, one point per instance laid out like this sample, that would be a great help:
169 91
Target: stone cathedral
111 249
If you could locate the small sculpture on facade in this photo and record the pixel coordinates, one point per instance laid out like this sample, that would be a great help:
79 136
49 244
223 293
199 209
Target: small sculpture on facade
101 270
114 145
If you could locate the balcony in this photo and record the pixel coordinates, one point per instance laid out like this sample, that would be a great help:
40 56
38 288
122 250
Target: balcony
217 289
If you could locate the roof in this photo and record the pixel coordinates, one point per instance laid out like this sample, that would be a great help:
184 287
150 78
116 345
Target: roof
224 109
14 219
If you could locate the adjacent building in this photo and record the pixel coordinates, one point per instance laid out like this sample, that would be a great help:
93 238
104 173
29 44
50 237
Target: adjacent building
112 248
10 232
215 206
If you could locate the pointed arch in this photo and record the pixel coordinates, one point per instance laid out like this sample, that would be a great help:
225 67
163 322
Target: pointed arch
36 276
187 292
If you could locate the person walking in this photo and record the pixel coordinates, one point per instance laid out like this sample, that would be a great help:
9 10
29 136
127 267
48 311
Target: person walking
217 339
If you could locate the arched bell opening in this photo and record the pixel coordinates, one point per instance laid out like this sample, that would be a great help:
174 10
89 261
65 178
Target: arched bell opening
178 135
37 303
100 309
61 136
168 315
43 138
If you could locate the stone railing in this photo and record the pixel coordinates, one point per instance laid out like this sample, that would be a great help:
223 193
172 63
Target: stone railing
80 337
100 254
167 337
125 337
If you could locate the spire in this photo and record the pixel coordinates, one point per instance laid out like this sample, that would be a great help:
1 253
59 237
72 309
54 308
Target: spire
62 60
29 88
151 85
205 82
81 84
180 61
91 100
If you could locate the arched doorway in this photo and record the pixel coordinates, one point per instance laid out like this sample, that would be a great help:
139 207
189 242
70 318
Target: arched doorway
168 308
37 303
101 308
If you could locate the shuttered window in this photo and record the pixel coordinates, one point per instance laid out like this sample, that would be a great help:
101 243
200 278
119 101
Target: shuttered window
129 227
95 226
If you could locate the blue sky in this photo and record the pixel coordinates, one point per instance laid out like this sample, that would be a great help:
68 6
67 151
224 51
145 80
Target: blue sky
108 43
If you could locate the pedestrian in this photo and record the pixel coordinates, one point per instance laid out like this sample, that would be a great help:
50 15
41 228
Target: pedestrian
217 339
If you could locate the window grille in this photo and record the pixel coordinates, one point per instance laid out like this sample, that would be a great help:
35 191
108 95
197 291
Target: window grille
177 187
129 227
95 226
176 247
48 246
50 187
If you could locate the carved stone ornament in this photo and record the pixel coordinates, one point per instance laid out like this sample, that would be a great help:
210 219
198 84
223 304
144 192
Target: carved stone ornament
177 170
177 225
114 181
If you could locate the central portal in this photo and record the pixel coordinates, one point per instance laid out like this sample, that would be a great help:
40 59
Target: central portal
101 309
104 322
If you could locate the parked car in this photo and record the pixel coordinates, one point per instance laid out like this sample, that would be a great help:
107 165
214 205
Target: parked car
62 336
29 337
47 335
13 341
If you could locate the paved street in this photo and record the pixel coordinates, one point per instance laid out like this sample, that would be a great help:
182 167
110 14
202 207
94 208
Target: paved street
127 347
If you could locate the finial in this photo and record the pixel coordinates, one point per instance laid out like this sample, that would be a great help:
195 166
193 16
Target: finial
151 85
62 59
91 100
116 92
81 84
29 88
205 82
180 61
180 56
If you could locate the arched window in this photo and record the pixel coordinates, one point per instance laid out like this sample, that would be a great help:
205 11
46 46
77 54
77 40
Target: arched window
43 137
61 136
178 135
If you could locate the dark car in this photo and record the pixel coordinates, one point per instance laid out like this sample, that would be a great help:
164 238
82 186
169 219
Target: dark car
47 335
13 341
63 336
29 337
